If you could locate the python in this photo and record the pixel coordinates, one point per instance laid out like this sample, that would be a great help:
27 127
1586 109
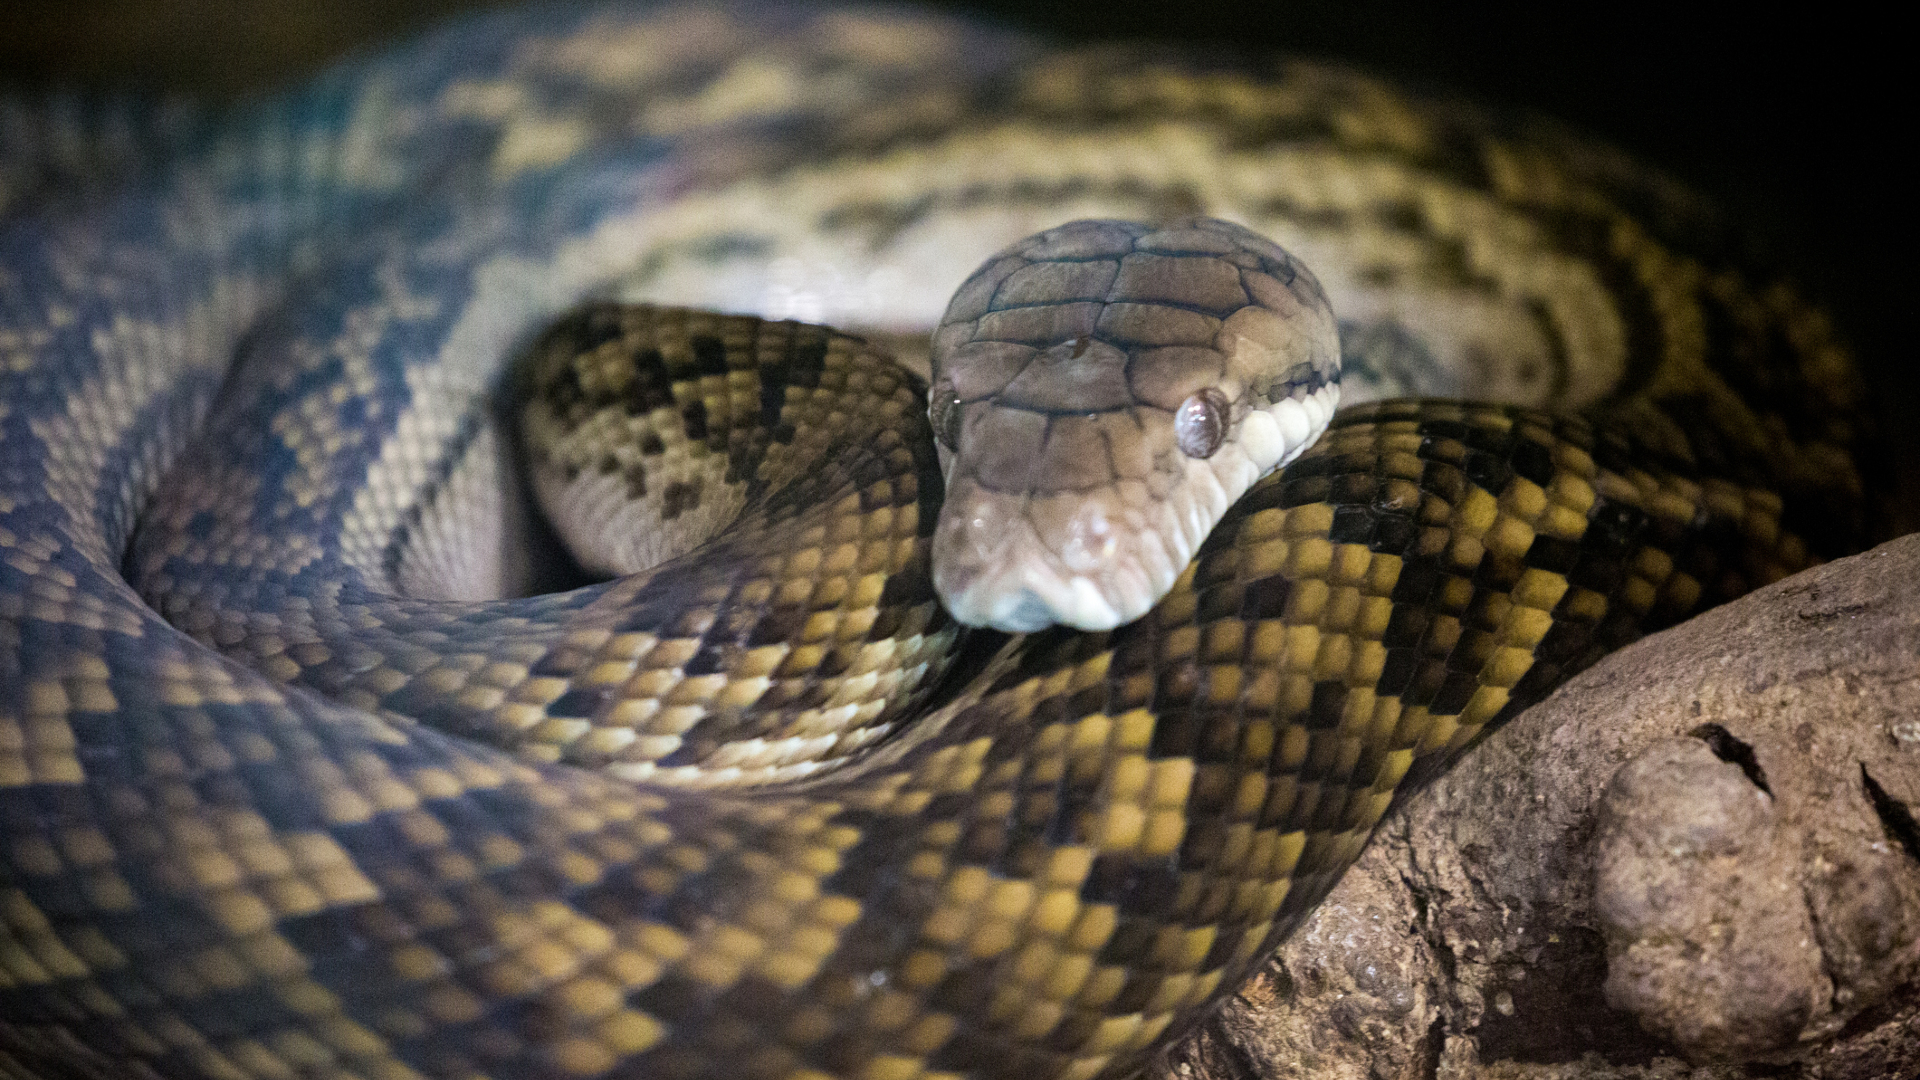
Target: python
301 775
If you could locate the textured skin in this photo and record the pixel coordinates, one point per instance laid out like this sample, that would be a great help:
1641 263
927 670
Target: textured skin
1061 372
208 870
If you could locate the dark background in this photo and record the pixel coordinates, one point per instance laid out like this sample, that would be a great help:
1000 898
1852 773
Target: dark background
1799 121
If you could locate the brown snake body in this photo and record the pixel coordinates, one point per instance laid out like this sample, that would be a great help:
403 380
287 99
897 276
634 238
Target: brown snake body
246 829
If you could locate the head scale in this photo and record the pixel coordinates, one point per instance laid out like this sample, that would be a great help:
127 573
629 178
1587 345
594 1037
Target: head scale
1102 392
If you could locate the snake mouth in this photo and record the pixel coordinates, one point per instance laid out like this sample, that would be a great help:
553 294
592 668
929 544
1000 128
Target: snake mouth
1021 563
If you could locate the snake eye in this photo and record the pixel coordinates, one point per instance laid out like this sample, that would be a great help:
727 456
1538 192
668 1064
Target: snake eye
1200 425
943 412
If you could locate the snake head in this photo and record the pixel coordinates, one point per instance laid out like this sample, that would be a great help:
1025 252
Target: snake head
1102 392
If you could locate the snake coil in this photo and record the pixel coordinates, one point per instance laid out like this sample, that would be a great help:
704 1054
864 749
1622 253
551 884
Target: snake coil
311 799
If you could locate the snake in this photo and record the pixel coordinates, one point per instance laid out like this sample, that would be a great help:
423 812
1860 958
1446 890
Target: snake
317 758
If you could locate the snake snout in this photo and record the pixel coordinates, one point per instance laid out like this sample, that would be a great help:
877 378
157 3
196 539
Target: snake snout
1021 563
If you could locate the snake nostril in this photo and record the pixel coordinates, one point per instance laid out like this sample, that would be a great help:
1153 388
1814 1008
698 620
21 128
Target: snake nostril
953 577
1090 541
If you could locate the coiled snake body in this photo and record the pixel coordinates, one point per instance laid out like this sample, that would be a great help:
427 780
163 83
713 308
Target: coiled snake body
329 811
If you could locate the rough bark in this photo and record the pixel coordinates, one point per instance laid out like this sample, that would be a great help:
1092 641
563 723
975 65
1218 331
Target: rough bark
1698 859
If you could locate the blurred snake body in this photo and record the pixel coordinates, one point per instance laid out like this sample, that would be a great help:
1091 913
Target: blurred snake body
304 774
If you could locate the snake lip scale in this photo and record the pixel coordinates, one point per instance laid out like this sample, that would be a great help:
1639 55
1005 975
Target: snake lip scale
301 776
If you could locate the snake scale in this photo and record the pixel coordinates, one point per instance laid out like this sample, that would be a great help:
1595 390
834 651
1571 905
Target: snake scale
391 828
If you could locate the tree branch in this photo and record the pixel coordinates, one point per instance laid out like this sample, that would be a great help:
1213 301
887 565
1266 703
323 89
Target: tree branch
1698 854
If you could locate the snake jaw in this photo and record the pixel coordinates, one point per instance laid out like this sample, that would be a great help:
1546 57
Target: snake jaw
1021 562
992 567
